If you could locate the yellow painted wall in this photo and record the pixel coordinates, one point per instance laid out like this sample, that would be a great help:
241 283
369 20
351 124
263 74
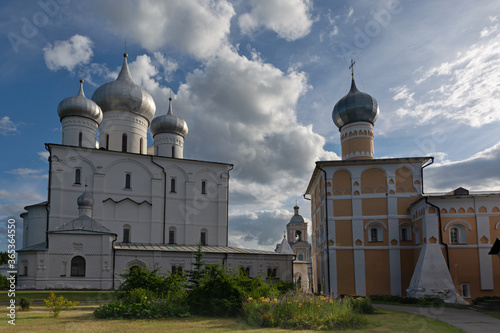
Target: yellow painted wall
377 272
342 207
408 259
343 233
345 272
375 206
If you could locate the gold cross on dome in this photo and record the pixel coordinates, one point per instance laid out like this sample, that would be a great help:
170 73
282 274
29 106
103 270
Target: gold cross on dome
352 68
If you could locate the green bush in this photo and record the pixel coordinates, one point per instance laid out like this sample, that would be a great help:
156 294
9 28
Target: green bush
428 301
216 295
25 304
297 310
4 283
57 304
476 301
143 278
359 304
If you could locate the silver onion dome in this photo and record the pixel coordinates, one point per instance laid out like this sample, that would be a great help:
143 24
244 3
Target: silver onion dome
169 123
355 106
80 106
85 200
123 94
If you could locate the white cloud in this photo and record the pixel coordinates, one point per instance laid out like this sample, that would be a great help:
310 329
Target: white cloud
44 155
68 53
169 66
290 19
28 173
478 172
7 126
465 89
197 27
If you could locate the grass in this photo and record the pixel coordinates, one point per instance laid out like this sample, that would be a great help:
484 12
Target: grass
38 296
81 319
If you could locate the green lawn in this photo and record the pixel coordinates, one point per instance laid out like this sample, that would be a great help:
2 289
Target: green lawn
80 319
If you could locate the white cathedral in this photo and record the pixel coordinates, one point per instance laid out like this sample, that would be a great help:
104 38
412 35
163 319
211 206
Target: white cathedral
119 203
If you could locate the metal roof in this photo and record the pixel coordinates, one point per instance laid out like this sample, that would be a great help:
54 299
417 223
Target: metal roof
188 248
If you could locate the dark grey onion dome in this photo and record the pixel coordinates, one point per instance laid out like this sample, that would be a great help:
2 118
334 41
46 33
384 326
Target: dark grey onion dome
80 106
297 218
85 200
123 94
169 123
355 106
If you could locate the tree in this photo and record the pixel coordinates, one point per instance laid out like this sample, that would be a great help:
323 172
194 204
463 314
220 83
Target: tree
194 276
4 257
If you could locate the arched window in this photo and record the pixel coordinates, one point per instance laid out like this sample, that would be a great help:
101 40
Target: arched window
128 180
124 143
203 237
375 233
78 176
107 141
172 185
298 236
78 266
454 233
126 233
405 233
80 139
171 235
301 257
204 187
173 151
140 146
271 273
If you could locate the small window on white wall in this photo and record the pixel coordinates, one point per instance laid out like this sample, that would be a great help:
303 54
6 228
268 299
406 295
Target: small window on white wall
78 176
126 234
204 187
128 180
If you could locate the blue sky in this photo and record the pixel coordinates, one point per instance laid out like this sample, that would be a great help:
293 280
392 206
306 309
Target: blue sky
256 82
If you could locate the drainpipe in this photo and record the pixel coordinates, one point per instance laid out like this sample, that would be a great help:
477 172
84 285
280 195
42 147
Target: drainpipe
309 274
164 196
227 207
47 205
114 260
327 233
439 214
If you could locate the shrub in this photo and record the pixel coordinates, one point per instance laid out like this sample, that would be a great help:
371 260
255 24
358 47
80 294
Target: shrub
296 310
217 294
25 304
57 304
142 278
477 300
361 305
4 282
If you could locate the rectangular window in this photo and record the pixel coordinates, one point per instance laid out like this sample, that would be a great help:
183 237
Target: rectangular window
78 176
126 235
374 235
171 237
124 143
203 238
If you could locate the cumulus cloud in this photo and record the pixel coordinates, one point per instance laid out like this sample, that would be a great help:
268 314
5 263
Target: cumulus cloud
68 53
465 89
7 126
258 229
290 19
479 171
197 27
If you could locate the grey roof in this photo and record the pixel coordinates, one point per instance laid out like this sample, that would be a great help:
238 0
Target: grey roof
187 248
82 224
37 247
169 123
284 247
123 94
80 106
297 218
355 106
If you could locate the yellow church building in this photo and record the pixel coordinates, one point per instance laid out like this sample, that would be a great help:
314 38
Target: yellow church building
375 232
